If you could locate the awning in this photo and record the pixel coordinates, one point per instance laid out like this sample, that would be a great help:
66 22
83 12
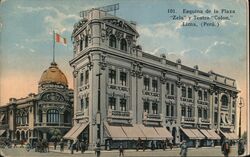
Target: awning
71 131
214 134
198 134
1 132
75 131
133 132
164 133
115 132
79 130
150 132
189 133
229 135
206 133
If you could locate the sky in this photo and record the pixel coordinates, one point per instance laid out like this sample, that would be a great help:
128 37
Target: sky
26 38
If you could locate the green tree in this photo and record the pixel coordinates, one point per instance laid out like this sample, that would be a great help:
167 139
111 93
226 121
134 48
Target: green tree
244 136
56 134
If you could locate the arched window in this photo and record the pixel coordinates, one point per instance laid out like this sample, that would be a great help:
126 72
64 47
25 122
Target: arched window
52 116
123 45
224 100
112 41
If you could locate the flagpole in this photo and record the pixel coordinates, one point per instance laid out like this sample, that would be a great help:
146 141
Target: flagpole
53 46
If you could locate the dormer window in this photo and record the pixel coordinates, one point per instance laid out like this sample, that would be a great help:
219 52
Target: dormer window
112 41
123 45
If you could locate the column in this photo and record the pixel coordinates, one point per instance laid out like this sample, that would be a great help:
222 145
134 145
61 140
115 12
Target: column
133 100
139 99
75 84
219 109
150 108
196 104
178 97
211 109
162 102
44 118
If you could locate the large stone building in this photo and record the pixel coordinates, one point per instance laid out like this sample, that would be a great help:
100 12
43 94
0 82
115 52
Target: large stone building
34 115
122 93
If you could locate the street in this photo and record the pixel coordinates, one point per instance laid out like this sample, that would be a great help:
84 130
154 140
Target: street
21 152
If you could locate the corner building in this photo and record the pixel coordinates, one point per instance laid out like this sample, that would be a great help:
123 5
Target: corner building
123 94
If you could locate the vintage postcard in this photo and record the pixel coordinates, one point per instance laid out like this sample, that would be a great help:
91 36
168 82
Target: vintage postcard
124 78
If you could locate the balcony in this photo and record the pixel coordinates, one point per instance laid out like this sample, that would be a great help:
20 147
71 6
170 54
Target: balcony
41 124
149 93
152 117
118 87
187 119
190 100
170 97
120 114
83 87
203 121
201 102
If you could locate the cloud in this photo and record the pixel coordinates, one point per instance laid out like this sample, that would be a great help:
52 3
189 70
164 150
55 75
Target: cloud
58 20
201 4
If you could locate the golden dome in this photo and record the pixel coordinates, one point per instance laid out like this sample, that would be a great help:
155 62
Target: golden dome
53 75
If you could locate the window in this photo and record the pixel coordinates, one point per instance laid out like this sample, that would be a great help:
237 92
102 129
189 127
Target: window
183 111
167 88
112 41
155 108
215 117
234 103
155 85
233 118
81 45
183 91
199 112
123 78
224 100
205 96
172 110
86 41
81 79
40 116
216 100
146 107
190 93
112 103
123 104
167 110
52 116
172 89
87 77
189 112
146 83
205 113
112 76
200 95
86 102
82 104
123 45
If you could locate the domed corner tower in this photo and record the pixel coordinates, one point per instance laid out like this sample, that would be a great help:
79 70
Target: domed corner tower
55 104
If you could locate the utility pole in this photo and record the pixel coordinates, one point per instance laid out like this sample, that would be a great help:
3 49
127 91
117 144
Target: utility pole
241 104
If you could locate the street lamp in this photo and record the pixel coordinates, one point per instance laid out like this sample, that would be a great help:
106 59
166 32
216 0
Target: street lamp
98 116
241 104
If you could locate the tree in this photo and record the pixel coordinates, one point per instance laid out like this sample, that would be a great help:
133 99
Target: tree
56 134
244 136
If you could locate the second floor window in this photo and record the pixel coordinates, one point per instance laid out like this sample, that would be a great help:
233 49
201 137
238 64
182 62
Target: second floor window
146 83
189 112
86 41
112 103
53 116
183 111
233 118
155 85
172 111
215 117
123 78
172 89
112 41
112 76
205 96
86 102
155 108
199 112
200 95
81 45
224 100
205 114
82 104
190 93
81 79
146 107
123 104
167 110
168 88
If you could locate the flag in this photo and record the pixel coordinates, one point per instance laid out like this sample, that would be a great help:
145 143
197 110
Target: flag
60 39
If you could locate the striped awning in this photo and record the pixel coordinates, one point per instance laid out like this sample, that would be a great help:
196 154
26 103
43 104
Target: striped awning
75 131
115 132
164 133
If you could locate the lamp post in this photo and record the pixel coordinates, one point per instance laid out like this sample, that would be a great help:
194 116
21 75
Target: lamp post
98 115
241 104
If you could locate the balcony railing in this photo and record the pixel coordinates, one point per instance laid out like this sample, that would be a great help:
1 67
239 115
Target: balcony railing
150 93
171 97
84 87
202 102
191 100
120 114
187 119
202 121
52 124
152 117
118 87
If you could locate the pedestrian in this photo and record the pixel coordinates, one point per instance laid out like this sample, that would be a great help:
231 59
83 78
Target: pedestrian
61 145
98 149
138 144
55 144
225 148
164 145
71 147
152 145
184 148
82 146
241 148
121 150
